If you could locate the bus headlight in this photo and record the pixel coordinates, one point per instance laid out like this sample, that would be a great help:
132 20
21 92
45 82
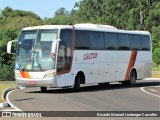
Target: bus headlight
18 75
49 75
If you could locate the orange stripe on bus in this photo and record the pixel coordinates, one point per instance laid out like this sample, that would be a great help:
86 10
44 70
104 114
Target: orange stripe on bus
131 63
23 75
27 74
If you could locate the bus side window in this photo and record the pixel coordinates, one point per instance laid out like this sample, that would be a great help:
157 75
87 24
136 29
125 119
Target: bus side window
96 41
123 41
82 40
145 42
110 41
134 42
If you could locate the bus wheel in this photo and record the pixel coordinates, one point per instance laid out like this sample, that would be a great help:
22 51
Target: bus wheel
132 80
77 83
103 85
43 89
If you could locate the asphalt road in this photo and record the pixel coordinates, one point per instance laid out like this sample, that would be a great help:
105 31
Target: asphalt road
90 98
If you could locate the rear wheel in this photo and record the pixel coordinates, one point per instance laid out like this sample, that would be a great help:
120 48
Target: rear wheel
43 89
132 80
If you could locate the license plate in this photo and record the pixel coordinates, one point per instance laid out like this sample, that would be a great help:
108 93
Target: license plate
32 82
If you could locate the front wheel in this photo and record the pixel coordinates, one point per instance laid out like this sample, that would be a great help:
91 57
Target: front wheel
43 89
77 83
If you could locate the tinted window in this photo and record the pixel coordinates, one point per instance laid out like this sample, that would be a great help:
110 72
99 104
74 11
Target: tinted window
110 41
123 41
66 37
82 39
145 42
65 50
134 42
96 41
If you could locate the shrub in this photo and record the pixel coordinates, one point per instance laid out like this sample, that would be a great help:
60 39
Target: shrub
6 72
156 56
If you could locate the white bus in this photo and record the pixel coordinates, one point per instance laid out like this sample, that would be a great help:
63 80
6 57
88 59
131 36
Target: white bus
71 55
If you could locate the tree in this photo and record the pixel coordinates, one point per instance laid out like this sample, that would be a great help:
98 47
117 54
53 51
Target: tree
61 12
11 22
156 56
89 10
6 12
10 13
62 17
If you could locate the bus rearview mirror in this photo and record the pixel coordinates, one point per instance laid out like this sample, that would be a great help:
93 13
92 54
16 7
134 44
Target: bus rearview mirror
11 47
55 44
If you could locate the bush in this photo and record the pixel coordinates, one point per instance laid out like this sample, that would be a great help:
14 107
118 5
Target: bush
156 56
6 72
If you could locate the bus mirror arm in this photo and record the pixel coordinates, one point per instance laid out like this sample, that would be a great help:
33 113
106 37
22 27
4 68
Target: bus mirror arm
58 40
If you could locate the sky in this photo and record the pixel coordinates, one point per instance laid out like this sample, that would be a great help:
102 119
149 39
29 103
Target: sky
43 8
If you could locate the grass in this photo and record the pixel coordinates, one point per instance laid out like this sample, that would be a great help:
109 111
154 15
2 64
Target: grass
156 68
156 72
4 85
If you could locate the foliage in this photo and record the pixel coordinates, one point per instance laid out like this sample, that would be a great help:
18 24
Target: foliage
11 23
59 20
9 13
61 12
62 17
7 72
156 56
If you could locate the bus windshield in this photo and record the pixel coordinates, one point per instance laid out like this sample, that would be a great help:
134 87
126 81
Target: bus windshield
34 50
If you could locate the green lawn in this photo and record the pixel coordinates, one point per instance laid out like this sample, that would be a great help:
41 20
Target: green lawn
3 86
156 72
156 68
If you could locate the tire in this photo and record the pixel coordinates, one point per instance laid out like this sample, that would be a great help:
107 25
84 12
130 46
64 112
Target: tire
103 85
131 82
133 78
77 83
43 89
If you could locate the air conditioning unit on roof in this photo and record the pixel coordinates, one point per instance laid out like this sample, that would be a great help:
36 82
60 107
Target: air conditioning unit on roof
96 26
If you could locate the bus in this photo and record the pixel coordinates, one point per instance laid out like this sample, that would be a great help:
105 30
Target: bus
71 55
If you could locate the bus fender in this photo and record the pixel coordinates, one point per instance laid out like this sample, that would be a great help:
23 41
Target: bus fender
81 73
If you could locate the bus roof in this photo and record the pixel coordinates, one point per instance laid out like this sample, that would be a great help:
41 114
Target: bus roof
47 27
88 26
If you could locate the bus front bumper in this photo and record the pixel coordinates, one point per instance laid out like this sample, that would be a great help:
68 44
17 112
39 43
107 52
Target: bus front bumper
45 82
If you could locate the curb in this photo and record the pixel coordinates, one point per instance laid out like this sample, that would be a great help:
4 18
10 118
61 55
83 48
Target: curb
151 79
4 96
7 99
5 91
4 105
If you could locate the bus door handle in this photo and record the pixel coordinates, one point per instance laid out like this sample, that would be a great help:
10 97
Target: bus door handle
90 73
